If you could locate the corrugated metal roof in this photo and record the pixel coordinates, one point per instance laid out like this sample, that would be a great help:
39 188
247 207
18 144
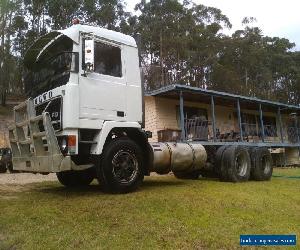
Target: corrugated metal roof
184 88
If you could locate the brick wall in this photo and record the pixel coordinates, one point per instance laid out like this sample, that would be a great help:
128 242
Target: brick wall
161 113
151 117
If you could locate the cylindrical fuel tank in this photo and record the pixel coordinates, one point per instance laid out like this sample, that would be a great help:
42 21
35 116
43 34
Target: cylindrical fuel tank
178 157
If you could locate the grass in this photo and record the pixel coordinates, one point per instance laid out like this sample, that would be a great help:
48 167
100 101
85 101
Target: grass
165 213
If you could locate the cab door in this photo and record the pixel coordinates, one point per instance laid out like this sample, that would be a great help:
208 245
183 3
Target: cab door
102 88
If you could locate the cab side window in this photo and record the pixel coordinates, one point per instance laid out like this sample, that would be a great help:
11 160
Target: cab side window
107 60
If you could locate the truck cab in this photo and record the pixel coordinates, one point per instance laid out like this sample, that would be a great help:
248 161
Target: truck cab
84 90
93 75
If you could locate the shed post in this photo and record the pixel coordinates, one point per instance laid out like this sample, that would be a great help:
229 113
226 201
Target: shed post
280 124
261 123
182 117
239 119
213 117
297 129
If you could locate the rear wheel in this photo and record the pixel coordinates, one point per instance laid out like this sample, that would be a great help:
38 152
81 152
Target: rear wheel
121 167
237 163
262 164
76 178
219 165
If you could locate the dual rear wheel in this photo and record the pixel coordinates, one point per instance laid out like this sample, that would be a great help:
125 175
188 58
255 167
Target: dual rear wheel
239 163
262 164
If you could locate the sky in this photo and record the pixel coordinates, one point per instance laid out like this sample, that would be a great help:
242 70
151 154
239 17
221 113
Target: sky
274 18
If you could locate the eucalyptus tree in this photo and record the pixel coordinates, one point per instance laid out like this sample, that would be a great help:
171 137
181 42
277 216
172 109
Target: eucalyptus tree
180 40
8 10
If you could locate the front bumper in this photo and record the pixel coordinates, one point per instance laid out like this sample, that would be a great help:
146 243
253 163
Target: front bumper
35 147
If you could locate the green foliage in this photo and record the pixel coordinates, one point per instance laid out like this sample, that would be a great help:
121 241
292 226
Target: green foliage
182 42
179 40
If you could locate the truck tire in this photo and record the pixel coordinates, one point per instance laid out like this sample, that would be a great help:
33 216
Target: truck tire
76 178
237 164
187 175
219 165
121 167
262 164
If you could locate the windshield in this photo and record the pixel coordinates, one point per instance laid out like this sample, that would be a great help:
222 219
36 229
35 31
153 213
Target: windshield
52 68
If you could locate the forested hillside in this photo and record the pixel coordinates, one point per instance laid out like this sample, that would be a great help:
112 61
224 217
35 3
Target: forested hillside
181 42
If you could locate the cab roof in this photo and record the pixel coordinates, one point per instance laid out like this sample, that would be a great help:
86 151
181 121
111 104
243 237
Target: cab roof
73 33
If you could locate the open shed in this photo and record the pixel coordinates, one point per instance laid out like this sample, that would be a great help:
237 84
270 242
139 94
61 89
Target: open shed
184 113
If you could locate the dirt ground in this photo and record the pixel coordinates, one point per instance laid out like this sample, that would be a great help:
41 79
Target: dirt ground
25 178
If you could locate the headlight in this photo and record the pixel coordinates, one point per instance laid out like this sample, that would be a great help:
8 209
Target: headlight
67 144
64 144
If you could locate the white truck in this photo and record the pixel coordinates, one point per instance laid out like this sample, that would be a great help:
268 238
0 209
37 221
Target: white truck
84 117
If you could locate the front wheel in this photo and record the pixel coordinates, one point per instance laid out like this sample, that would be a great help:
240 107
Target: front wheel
121 167
76 178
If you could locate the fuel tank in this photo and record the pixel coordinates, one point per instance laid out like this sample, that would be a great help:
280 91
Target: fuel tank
177 157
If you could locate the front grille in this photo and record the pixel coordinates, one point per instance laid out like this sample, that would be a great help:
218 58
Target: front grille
54 108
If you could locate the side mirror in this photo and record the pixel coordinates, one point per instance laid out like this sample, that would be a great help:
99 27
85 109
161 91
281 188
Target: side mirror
89 55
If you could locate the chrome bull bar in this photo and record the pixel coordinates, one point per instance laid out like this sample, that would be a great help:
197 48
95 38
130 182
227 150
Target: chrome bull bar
34 147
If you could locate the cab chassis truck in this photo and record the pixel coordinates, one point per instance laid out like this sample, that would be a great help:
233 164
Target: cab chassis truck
85 113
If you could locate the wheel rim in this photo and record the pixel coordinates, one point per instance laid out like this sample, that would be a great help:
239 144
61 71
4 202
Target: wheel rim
241 164
124 167
266 164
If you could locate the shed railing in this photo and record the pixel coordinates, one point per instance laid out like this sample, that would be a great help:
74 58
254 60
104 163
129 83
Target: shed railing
196 129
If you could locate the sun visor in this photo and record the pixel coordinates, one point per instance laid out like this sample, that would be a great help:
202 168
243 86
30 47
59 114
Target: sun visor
37 47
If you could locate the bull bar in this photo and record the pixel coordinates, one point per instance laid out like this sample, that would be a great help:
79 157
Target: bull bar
35 147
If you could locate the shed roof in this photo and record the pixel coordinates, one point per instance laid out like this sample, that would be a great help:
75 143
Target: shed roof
222 98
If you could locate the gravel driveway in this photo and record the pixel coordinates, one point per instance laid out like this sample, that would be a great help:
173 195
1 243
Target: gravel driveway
25 178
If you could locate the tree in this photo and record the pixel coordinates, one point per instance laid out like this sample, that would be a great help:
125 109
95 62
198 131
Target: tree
8 10
180 40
